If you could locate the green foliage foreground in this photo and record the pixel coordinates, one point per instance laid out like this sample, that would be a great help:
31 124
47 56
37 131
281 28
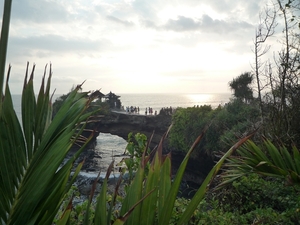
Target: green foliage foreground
32 180
267 160
249 200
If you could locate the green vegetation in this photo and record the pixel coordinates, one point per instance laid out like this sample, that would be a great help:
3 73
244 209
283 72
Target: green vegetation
241 87
33 177
227 125
266 160
249 200
259 185
135 148
150 197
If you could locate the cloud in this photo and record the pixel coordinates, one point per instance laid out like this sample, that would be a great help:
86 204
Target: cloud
123 22
40 11
206 24
182 24
148 24
118 43
55 43
237 8
147 10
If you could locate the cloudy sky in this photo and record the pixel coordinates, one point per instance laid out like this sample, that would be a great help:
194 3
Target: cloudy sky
133 46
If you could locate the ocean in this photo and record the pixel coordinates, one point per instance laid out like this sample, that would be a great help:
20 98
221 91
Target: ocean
158 101
109 146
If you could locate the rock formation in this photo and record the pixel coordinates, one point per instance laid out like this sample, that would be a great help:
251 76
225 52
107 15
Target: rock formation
121 124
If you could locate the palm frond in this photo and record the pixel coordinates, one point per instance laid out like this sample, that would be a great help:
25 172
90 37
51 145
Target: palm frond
3 42
268 160
33 180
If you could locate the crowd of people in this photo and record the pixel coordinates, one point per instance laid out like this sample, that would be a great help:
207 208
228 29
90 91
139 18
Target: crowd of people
167 111
132 109
149 110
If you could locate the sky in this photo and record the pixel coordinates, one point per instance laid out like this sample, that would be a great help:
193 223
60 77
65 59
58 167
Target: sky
133 46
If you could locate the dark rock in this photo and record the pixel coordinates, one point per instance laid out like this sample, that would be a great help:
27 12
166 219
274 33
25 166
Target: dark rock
121 124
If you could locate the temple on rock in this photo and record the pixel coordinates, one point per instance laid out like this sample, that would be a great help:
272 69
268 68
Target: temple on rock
113 100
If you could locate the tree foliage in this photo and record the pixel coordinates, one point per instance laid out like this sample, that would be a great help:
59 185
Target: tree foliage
188 124
241 87
226 125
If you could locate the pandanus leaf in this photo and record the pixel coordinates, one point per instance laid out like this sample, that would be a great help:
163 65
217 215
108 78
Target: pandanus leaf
33 182
102 213
3 44
171 197
205 185
281 163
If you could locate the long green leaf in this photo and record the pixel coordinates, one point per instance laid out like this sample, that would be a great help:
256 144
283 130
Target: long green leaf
281 164
133 196
287 157
168 208
164 185
42 200
147 214
296 156
3 44
275 155
202 190
125 217
102 216
28 110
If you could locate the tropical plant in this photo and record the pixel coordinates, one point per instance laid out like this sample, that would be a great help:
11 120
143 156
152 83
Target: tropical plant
267 161
134 149
33 177
249 200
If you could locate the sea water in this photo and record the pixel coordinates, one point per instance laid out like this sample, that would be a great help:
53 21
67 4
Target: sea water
111 147
159 101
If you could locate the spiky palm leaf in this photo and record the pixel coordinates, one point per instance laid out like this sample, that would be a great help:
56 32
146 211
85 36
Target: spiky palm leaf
267 161
32 180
